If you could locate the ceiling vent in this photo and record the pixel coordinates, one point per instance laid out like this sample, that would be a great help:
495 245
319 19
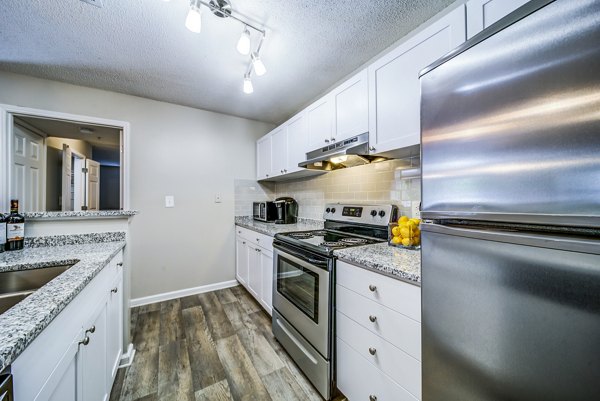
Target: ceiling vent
97 3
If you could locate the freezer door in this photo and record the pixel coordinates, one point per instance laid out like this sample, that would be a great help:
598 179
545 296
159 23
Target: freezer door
508 321
510 126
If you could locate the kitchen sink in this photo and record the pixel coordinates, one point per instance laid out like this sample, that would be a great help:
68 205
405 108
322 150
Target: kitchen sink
18 285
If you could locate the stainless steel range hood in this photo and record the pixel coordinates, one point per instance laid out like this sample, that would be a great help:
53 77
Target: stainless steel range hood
350 152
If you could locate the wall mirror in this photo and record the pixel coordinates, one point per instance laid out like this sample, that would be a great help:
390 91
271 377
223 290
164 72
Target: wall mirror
61 165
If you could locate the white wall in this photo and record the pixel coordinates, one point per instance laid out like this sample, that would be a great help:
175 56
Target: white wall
175 150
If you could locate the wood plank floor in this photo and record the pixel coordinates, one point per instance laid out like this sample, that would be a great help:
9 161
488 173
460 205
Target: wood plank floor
216 346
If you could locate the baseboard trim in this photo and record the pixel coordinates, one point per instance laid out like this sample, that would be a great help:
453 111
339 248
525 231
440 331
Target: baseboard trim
181 293
127 358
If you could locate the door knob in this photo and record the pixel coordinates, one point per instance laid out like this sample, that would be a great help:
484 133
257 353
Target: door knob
327 140
372 288
373 318
85 341
372 351
120 264
371 148
91 330
114 290
372 398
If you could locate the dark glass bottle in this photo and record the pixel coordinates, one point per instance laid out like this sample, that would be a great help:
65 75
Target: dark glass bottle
2 232
15 228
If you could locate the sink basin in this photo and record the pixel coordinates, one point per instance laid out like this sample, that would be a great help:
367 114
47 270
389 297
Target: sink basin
18 285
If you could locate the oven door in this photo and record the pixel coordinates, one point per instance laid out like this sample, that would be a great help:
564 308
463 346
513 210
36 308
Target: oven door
301 294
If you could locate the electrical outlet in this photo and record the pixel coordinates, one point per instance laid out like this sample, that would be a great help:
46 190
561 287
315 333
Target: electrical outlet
218 198
97 3
416 209
169 201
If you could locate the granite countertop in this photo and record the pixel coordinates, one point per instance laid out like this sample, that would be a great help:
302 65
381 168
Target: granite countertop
21 324
271 228
92 214
399 263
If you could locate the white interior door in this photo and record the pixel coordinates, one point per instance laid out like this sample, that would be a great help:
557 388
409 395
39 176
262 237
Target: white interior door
93 184
67 171
28 169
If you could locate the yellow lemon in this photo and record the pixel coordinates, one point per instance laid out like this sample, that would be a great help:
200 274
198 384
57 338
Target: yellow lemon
404 224
396 240
416 232
405 232
407 242
416 221
411 224
416 241
403 219
396 231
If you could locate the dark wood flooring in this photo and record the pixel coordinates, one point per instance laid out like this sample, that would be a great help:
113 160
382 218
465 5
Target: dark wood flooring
215 346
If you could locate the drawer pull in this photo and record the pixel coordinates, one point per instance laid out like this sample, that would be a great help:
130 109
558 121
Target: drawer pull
120 264
114 290
372 397
85 341
91 330
372 288
372 351
373 318
258 240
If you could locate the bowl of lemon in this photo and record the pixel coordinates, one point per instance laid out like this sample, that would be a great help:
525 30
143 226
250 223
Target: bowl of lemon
406 233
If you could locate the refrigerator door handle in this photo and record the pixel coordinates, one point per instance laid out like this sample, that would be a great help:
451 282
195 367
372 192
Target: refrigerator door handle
537 239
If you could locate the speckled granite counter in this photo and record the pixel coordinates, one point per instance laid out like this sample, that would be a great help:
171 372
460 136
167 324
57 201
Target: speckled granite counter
271 228
402 264
21 324
92 214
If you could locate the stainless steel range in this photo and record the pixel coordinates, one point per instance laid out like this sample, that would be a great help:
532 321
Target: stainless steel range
304 281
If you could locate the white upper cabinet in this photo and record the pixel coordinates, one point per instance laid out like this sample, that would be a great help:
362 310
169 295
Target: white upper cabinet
263 157
394 89
279 151
483 13
320 117
352 107
297 142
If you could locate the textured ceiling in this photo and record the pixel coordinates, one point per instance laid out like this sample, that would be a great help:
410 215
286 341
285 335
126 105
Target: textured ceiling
141 47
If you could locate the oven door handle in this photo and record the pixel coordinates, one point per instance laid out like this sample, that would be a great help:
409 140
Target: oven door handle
316 262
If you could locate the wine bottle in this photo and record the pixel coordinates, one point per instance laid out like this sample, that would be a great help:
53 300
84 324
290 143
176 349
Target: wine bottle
2 232
15 228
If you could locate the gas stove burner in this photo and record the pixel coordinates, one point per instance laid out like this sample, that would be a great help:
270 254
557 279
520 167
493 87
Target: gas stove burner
300 235
353 241
320 233
332 244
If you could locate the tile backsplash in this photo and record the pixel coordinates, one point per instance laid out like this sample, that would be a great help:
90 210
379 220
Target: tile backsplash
372 183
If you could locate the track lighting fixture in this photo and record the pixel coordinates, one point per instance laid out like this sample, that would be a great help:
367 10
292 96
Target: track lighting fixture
193 22
222 9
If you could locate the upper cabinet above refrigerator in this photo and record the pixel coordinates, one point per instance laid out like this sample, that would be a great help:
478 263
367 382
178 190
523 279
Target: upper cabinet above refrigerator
483 13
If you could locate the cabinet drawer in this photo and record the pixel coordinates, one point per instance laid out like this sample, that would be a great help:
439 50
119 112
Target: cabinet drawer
358 379
394 294
397 364
242 232
255 238
396 328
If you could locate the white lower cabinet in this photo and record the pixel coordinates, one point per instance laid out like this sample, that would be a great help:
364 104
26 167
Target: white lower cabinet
378 336
254 265
76 356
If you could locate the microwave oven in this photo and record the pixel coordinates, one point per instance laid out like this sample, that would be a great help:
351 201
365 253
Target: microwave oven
264 211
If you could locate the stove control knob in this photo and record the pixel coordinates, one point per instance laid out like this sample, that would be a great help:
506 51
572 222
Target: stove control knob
332 210
381 213
327 210
373 213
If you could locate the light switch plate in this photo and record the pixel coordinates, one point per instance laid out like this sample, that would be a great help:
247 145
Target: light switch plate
218 198
169 201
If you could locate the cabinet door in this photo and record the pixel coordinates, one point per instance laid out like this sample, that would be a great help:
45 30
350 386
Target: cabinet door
297 139
266 266
352 107
62 385
320 122
483 13
92 361
114 324
279 151
263 157
254 273
394 90
241 261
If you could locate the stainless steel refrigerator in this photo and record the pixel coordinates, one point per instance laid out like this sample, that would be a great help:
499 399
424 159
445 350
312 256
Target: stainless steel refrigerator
511 198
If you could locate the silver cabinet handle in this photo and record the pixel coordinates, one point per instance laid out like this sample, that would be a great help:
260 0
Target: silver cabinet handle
91 330
332 139
285 170
372 288
372 351
239 232
326 140
244 242
371 148
373 318
258 250
372 397
85 341
114 290
120 264
258 240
